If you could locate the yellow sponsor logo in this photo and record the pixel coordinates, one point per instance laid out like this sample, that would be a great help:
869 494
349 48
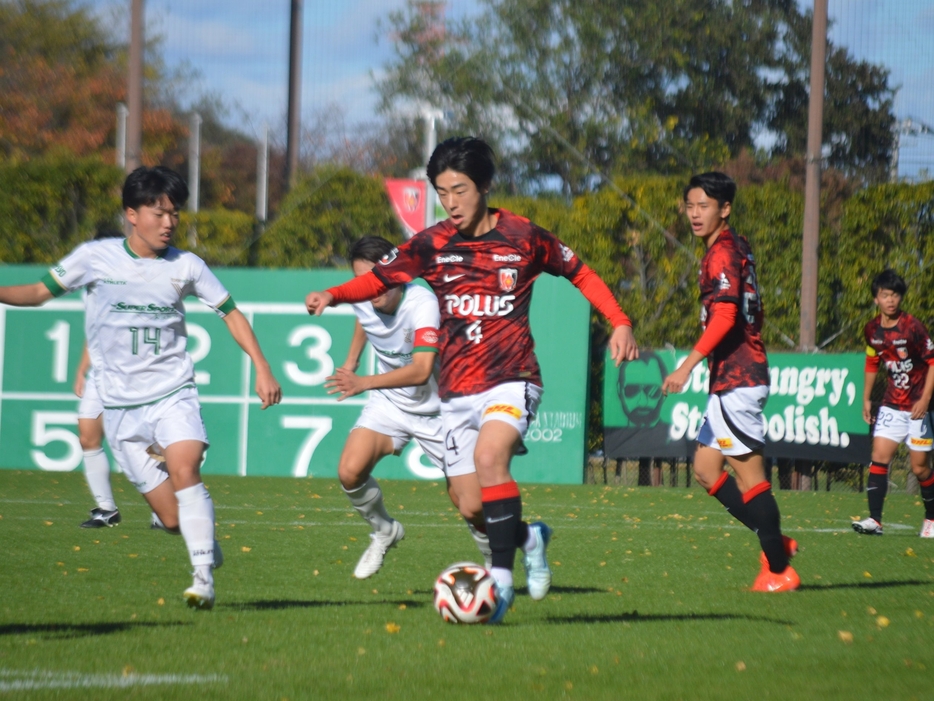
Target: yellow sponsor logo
871 352
725 443
921 441
514 412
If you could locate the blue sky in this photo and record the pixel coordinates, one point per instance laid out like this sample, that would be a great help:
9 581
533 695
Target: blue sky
240 49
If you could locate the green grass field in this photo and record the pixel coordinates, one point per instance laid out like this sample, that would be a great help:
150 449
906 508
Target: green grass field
649 601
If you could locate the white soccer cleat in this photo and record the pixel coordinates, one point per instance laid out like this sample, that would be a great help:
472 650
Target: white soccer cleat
868 526
537 572
200 595
927 529
505 596
373 556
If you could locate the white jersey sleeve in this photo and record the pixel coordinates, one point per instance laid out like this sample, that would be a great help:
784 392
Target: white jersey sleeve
209 290
74 271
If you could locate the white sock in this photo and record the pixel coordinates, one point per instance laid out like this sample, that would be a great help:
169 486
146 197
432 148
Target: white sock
502 576
483 543
97 473
368 502
196 522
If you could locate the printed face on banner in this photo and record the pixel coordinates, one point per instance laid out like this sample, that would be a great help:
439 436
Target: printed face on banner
640 389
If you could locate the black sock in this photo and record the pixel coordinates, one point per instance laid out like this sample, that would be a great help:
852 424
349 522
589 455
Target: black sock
729 495
876 488
503 519
764 510
927 496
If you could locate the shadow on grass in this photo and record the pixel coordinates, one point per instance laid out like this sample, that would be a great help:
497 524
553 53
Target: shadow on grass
866 585
278 604
66 631
636 617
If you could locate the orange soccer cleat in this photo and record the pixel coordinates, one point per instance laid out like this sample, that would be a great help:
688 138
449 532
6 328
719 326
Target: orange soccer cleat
768 581
791 549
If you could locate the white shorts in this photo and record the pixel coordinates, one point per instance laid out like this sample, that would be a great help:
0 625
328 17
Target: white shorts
135 435
381 415
898 426
733 421
90 405
515 403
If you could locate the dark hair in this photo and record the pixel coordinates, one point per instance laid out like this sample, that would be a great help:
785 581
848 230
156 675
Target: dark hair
145 186
888 279
108 232
370 248
464 154
717 185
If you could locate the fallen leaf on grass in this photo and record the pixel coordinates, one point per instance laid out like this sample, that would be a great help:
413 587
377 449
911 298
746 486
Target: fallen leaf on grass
245 549
845 636
882 622
740 666
392 628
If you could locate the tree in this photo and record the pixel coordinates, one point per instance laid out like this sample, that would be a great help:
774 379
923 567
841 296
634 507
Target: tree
859 122
323 215
576 91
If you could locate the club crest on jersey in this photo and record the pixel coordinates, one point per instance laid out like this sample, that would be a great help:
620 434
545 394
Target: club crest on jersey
408 334
389 257
508 278
902 353
724 282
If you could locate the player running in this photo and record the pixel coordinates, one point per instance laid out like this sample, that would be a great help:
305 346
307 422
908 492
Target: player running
732 431
135 328
402 326
481 264
901 342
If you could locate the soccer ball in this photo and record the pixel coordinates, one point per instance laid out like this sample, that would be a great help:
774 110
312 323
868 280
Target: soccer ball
465 593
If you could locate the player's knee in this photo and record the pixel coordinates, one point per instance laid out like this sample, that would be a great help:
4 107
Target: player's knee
89 443
350 475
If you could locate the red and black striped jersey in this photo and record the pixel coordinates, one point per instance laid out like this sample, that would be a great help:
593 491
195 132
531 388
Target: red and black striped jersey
728 274
907 351
484 289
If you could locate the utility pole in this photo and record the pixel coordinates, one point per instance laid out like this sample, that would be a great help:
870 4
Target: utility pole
194 162
295 94
120 146
811 235
262 196
194 175
134 128
431 117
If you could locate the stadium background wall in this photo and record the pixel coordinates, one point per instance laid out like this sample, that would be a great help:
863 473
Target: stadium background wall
304 436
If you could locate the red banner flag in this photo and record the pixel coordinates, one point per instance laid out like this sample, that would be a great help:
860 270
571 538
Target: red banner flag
408 202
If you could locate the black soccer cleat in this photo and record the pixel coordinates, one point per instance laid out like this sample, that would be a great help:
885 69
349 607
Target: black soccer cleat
102 519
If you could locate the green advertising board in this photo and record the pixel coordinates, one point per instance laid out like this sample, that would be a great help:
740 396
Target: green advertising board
302 437
814 410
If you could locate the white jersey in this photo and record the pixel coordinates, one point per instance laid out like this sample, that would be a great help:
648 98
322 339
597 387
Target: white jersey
394 337
134 317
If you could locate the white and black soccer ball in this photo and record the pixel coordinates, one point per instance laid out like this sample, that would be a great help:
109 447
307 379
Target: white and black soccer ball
465 593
